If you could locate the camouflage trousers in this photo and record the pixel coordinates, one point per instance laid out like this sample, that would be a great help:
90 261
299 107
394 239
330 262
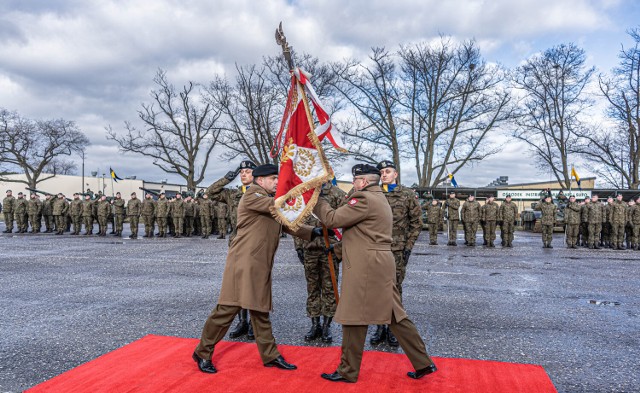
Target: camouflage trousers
617 233
506 232
77 224
148 225
629 234
205 222
162 225
433 233
470 232
133 225
489 231
61 223
321 300
188 225
49 222
119 222
594 233
607 232
636 235
401 269
102 224
21 222
34 221
453 231
178 222
8 220
88 224
547 233
584 233
572 232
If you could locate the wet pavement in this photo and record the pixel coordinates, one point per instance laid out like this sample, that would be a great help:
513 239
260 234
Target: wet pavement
68 299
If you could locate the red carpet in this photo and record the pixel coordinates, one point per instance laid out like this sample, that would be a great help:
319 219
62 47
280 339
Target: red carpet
164 364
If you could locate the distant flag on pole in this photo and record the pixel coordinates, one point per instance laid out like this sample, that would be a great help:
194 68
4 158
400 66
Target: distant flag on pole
113 175
575 174
453 180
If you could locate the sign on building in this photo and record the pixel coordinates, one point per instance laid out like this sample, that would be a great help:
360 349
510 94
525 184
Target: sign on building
535 194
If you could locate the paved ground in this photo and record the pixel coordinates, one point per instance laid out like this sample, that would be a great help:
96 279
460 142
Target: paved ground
68 299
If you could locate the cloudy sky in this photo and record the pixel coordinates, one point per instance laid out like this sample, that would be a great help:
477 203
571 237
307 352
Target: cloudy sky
93 61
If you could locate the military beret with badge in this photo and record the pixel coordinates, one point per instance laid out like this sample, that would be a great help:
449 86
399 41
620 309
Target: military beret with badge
364 169
265 170
386 164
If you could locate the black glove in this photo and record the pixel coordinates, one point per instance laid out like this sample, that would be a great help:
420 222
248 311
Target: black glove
317 231
300 252
232 174
328 250
407 254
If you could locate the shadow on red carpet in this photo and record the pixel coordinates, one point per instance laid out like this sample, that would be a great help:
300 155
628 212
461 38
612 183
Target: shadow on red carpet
164 364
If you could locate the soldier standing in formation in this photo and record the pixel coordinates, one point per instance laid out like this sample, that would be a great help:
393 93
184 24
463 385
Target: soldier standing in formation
87 214
548 220
369 294
188 217
206 210
20 213
7 209
134 209
231 197
489 217
148 215
507 215
75 209
453 217
47 213
246 282
321 300
60 209
221 211
177 215
596 216
103 210
470 214
572 221
162 212
407 224
118 213
635 220
618 219
607 226
584 224
34 208
435 217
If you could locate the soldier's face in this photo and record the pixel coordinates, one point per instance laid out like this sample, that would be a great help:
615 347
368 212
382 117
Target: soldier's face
388 176
269 183
359 182
594 199
246 176
619 197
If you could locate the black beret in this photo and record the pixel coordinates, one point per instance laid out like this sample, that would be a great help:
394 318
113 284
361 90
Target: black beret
386 164
247 165
265 170
20 193
508 196
364 169
8 191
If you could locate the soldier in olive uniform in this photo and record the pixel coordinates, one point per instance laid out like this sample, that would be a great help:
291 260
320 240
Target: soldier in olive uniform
572 221
148 215
197 227
103 211
635 220
134 209
60 210
629 226
470 214
321 300
171 229
221 211
177 215
489 217
452 214
118 213
34 208
231 197
47 213
435 218
162 212
188 217
369 293
507 216
596 217
7 209
206 208
607 225
75 209
548 220
87 215
584 224
618 220
20 213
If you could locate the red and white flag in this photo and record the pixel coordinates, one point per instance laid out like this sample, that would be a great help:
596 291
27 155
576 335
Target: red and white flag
303 165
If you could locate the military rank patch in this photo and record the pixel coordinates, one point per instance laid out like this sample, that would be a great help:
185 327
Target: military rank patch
353 201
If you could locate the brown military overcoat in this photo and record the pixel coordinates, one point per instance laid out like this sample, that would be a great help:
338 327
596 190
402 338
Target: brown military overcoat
369 295
246 281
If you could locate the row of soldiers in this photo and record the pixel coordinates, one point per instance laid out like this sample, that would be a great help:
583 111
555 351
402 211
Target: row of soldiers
595 225
173 216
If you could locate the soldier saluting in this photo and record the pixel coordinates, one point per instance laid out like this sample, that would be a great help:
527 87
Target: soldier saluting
452 214
547 220
470 216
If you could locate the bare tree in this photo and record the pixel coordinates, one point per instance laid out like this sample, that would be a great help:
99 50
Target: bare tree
452 100
616 152
549 112
180 130
36 148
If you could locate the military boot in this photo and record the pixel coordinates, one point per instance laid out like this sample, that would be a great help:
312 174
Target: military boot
242 327
621 246
326 330
315 331
379 335
391 339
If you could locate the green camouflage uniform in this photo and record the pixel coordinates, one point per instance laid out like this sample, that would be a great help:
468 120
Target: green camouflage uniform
572 221
434 220
188 217
177 216
452 206
148 216
162 211
618 221
321 300
584 224
635 220
607 226
134 208
60 210
489 216
596 217
47 213
35 209
197 227
547 221
20 214
7 209
507 215
118 214
103 211
222 211
230 196
75 209
631 244
87 216
470 214
206 210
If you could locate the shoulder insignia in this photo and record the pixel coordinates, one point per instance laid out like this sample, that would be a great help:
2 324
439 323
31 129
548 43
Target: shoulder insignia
258 194
353 201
